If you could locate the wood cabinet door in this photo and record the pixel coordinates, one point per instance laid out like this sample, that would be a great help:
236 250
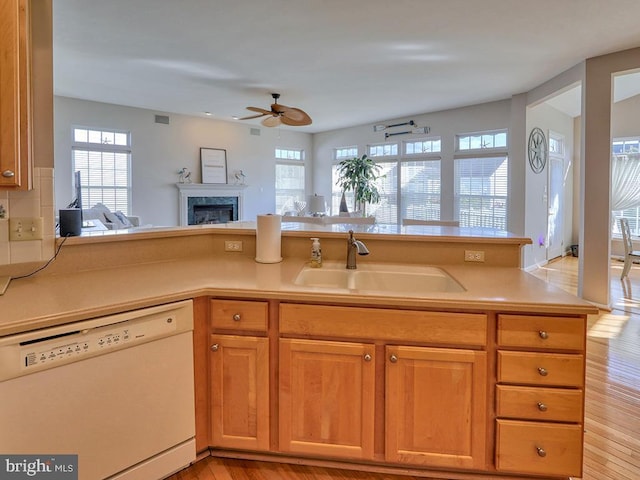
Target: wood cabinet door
327 398
14 94
240 392
436 407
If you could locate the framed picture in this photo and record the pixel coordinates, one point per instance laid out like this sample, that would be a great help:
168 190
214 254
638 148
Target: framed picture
214 165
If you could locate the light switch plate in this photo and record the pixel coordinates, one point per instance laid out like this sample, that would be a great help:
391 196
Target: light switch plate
25 228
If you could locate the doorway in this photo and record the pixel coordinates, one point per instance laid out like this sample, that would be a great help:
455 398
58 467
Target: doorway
555 202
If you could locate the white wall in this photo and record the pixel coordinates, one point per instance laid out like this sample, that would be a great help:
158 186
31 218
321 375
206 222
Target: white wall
159 151
547 118
446 124
625 117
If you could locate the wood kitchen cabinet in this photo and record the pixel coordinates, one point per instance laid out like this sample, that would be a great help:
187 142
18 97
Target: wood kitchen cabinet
15 98
239 375
475 393
327 398
540 395
435 399
435 406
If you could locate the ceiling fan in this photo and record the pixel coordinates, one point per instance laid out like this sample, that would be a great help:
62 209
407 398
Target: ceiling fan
280 114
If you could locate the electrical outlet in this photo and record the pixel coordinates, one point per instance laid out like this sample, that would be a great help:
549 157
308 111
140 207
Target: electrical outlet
233 245
473 256
25 228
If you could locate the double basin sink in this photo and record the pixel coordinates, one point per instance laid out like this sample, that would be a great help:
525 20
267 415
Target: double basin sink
383 278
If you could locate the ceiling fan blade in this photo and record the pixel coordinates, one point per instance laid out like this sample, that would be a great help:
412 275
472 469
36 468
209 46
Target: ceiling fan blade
271 121
253 116
260 110
295 117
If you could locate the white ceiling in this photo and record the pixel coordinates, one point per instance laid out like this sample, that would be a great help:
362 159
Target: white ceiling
345 62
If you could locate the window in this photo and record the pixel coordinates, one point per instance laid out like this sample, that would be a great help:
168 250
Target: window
496 139
383 150
287 154
481 191
103 158
431 145
290 180
345 152
625 184
409 184
420 190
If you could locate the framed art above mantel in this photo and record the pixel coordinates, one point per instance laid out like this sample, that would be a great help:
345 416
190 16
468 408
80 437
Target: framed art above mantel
214 165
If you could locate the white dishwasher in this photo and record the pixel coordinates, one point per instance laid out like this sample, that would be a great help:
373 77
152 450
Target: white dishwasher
117 391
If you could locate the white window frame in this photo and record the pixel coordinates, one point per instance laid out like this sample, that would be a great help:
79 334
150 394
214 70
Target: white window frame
430 146
395 158
102 142
289 157
483 136
631 214
342 153
383 150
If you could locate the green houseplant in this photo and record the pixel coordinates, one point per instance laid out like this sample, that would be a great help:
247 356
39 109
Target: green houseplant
359 175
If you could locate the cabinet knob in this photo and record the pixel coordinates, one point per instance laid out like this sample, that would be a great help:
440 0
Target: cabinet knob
543 371
215 347
393 359
236 317
367 357
543 335
542 407
8 174
541 452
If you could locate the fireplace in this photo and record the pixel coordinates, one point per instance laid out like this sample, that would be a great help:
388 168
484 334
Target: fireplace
202 204
203 210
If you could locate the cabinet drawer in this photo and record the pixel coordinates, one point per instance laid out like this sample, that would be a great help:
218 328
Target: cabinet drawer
239 315
386 324
551 369
539 448
527 331
537 403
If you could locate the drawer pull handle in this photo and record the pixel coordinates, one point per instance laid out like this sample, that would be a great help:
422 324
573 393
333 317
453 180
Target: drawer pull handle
8 174
542 407
543 335
393 359
215 347
541 452
367 358
543 372
236 317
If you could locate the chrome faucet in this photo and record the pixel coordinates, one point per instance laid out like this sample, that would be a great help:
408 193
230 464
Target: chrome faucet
354 246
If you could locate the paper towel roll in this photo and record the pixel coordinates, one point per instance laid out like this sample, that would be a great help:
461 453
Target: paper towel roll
268 239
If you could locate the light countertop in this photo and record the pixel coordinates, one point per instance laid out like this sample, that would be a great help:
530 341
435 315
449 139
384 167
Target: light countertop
47 300
423 233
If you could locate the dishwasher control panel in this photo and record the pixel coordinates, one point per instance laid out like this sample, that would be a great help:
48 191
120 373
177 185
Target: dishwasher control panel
58 346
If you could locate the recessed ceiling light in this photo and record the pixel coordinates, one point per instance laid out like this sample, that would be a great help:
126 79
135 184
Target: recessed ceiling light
208 114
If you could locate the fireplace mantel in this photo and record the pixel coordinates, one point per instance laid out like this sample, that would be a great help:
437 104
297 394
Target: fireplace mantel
188 190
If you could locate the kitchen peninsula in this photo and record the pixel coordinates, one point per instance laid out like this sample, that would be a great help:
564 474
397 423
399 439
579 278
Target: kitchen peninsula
486 380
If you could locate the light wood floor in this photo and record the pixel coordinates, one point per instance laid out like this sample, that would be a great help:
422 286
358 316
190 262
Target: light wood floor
612 425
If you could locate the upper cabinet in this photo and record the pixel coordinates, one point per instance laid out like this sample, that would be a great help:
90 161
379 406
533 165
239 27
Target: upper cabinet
15 95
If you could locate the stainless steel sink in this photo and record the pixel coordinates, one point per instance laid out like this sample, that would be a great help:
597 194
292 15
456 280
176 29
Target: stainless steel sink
381 278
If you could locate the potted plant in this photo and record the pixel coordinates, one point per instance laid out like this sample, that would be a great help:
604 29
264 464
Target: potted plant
359 175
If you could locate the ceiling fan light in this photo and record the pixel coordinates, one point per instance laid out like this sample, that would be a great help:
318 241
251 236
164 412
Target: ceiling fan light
271 122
